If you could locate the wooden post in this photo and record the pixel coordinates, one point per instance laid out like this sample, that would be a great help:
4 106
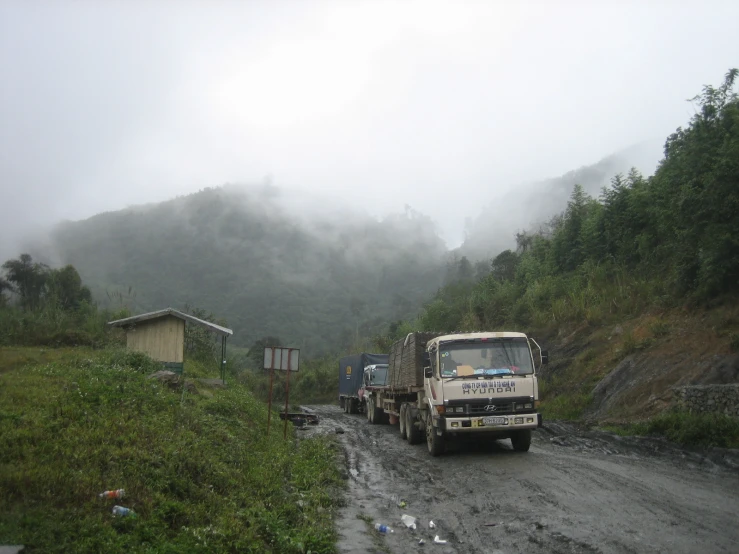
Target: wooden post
271 378
287 393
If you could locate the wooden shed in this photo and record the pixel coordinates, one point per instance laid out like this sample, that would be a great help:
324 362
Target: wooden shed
161 335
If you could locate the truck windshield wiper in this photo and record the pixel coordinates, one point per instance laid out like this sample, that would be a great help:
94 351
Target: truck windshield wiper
478 376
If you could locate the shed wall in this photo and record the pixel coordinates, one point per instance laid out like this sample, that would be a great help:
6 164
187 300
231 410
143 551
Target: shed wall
163 339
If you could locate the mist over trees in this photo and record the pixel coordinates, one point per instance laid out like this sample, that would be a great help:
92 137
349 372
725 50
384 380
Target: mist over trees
643 241
532 205
271 264
323 277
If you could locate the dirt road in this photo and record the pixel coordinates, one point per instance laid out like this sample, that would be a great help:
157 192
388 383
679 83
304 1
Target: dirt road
574 491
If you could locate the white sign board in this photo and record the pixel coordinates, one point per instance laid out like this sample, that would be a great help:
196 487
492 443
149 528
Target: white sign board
276 357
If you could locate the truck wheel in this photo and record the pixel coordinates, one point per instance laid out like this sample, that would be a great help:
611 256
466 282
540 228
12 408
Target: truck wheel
434 442
353 406
401 421
342 403
521 440
379 416
413 433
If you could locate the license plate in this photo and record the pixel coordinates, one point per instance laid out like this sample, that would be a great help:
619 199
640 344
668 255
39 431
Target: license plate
494 420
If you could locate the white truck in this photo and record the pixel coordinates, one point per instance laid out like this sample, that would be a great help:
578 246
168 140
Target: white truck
440 387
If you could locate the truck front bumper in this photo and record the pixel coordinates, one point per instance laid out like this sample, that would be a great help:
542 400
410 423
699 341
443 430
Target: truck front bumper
489 424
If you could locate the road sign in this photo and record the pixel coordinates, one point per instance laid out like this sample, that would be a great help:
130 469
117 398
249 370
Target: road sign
276 357
284 359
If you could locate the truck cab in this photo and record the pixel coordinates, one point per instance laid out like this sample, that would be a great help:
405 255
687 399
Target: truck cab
375 375
480 383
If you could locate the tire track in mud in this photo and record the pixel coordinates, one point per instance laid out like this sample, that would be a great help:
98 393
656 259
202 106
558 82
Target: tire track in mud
574 492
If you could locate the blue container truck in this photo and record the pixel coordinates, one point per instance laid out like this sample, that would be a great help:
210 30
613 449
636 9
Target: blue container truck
351 370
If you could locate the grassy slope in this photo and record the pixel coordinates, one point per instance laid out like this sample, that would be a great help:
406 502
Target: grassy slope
667 348
201 475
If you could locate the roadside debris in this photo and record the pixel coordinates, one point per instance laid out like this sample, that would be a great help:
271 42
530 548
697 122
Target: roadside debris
118 493
382 528
432 525
399 502
409 521
339 431
422 542
121 511
437 540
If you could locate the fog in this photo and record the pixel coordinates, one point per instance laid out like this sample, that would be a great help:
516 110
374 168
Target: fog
437 105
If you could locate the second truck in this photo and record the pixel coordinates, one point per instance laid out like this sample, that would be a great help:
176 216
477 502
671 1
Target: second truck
439 387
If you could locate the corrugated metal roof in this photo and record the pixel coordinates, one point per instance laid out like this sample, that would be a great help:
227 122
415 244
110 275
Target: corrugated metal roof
176 313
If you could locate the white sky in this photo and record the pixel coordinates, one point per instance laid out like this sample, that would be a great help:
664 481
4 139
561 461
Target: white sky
440 105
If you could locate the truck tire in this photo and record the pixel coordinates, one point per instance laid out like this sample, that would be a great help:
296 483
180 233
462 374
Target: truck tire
413 433
434 442
521 440
401 421
379 417
353 406
342 403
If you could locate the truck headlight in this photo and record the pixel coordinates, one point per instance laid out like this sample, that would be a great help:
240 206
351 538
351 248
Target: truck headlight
527 406
459 410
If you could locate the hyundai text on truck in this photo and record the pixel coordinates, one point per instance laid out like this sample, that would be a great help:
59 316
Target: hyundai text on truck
351 373
441 387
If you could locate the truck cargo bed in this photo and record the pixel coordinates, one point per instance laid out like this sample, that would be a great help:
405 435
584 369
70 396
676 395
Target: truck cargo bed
406 360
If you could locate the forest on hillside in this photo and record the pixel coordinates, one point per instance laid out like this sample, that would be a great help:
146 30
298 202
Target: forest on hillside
325 278
313 276
644 241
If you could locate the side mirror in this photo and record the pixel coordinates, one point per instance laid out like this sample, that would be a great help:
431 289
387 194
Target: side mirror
544 357
426 359
428 372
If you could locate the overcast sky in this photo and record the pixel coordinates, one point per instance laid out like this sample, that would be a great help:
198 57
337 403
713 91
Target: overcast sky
105 104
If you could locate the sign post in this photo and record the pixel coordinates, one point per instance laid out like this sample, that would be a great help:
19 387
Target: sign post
285 359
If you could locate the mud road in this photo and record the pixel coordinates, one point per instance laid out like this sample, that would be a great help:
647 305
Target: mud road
574 491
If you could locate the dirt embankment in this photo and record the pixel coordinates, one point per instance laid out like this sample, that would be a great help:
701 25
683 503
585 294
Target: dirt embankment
576 491
626 371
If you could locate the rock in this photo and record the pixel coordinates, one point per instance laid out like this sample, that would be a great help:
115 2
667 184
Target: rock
339 431
165 376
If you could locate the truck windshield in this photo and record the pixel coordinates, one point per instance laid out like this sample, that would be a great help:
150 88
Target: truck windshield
501 357
378 375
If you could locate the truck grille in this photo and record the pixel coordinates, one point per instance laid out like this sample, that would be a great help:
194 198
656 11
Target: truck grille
508 408
479 407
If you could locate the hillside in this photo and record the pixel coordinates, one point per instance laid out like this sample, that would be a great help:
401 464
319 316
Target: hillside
267 262
633 292
196 465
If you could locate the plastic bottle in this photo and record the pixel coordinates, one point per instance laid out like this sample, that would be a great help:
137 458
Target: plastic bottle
382 528
121 511
118 493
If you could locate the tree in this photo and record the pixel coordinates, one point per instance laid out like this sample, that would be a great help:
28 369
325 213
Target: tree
256 350
4 286
200 343
65 288
29 279
465 273
504 265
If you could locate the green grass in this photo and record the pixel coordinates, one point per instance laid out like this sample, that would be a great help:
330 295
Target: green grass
200 474
566 406
687 429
